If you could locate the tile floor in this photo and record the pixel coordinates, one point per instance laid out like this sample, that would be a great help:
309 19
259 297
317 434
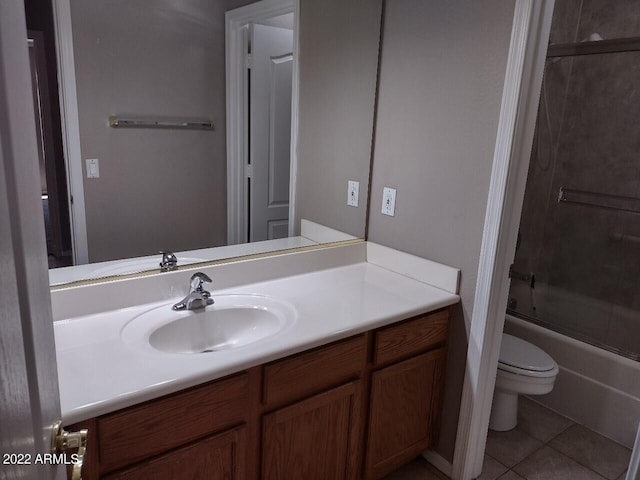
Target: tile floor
544 446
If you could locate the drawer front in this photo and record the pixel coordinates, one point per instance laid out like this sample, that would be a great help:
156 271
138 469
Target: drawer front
160 425
220 456
310 372
411 337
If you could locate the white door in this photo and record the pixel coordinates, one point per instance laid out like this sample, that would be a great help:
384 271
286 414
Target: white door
29 399
270 131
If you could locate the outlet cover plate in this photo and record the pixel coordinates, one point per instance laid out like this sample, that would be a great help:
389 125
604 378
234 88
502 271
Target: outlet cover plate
93 168
353 193
389 201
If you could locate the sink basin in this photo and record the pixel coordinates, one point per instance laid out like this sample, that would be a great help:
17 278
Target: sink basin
233 321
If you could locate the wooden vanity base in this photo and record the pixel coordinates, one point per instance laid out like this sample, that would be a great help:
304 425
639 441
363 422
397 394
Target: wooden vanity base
357 408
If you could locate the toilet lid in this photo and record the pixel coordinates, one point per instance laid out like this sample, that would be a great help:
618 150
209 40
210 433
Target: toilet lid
517 353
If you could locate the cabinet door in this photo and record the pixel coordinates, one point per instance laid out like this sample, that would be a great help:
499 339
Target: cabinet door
221 457
133 435
316 438
404 411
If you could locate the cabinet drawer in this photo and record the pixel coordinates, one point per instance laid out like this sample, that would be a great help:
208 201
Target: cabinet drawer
307 373
220 456
160 425
411 337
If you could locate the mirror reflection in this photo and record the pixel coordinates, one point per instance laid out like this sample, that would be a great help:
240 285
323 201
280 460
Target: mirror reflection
169 129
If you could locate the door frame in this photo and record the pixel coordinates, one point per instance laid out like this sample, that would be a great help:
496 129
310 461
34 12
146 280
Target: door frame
237 110
70 122
45 134
516 125
30 404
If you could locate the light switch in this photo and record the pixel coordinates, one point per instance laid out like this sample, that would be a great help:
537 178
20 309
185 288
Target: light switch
389 201
353 192
93 168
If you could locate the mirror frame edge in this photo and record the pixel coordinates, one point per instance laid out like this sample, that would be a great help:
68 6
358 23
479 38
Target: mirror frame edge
200 265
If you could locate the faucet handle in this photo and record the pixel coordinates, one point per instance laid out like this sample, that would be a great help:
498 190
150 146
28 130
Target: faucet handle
197 297
169 261
197 281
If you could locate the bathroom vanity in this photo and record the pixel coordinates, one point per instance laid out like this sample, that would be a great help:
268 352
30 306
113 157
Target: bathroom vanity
374 397
351 389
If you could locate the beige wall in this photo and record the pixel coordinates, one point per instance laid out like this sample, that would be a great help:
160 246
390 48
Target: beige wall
338 64
442 72
158 189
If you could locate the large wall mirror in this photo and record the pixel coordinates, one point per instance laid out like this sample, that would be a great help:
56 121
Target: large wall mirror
211 129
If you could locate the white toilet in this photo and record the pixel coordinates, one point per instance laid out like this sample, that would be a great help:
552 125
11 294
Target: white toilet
522 368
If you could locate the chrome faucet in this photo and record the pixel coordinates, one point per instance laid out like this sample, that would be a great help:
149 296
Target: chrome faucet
169 262
198 297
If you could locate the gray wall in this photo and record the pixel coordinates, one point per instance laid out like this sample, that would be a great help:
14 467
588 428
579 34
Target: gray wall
338 64
442 72
158 189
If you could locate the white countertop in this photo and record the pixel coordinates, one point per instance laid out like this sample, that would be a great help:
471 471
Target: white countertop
99 373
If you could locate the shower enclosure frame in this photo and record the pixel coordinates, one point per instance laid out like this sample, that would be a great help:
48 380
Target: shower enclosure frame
586 198
518 113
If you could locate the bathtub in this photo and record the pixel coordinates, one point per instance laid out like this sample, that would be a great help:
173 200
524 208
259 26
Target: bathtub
595 387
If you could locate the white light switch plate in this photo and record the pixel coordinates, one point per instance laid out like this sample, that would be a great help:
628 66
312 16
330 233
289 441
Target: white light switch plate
353 192
93 168
389 201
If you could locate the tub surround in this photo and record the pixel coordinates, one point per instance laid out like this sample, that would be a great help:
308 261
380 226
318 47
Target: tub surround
337 292
596 388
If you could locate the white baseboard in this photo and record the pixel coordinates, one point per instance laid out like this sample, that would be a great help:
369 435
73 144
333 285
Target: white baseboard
438 461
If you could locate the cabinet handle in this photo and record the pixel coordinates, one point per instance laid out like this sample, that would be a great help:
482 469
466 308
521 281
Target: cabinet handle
63 440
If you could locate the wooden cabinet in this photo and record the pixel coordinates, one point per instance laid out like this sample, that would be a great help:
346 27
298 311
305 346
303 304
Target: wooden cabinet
318 433
403 412
356 408
220 457
316 438
158 426
406 390
198 429
311 372
410 337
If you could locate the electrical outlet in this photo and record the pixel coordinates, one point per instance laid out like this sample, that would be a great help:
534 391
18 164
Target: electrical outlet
353 193
389 201
93 168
